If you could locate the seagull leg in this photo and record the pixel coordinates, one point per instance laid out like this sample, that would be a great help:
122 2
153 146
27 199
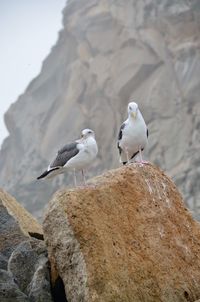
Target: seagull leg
75 183
127 155
140 153
141 160
83 175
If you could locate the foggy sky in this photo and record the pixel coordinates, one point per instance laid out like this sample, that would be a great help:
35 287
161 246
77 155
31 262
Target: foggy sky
28 30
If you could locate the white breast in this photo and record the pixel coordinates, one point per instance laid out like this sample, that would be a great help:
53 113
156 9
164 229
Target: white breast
88 152
134 136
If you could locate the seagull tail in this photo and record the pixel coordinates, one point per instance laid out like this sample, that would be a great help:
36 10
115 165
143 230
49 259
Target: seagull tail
46 173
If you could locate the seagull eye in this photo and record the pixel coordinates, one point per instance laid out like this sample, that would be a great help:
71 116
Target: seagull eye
130 108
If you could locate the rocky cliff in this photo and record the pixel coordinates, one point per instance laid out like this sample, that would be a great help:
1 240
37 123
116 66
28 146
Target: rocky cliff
126 237
107 53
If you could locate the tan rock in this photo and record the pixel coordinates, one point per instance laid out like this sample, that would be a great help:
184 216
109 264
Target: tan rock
27 223
125 237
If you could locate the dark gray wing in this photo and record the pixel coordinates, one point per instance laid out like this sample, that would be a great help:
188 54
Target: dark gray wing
120 136
65 154
147 132
120 131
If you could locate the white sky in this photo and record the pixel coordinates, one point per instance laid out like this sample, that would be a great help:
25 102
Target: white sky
28 30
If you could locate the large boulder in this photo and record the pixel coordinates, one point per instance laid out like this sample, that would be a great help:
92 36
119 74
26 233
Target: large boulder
24 269
127 236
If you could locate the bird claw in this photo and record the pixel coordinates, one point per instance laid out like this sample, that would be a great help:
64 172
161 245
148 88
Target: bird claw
145 162
142 163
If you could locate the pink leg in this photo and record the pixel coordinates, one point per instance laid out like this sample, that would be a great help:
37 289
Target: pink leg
75 184
141 160
85 185
83 175
127 156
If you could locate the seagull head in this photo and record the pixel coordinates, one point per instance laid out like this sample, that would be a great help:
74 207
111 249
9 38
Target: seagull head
133 109
87 133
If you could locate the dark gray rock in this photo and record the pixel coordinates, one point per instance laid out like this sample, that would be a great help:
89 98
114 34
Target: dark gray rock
3 262
10 232
27 278
29 266
24 271
9 291
39 288
22 264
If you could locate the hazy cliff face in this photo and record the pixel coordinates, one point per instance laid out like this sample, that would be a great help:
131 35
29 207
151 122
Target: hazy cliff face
107 54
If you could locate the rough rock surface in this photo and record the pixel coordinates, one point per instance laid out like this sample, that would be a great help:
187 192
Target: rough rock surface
107 53
25 221
126 237
24 269
15 224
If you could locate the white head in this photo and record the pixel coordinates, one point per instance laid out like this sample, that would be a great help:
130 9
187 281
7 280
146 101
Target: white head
87 133
133 109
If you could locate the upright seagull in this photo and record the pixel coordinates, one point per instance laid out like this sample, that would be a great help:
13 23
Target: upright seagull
133 135
75 156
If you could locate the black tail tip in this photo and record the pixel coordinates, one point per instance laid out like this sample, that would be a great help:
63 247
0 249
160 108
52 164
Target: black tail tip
47 172
43 175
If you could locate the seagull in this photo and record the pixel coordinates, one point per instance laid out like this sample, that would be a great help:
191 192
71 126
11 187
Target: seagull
74 156
133 135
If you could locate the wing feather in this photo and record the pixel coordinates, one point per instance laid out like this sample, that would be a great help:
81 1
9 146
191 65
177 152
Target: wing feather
120 136
64 155
120 131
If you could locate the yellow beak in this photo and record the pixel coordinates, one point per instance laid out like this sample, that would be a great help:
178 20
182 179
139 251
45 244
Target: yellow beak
133 114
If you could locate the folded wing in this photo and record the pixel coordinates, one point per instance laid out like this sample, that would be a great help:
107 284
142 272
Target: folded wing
63 156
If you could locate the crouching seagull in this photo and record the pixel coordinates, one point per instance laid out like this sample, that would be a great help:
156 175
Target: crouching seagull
74 156
133 135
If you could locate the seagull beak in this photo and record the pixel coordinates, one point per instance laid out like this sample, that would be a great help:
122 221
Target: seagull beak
133 114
